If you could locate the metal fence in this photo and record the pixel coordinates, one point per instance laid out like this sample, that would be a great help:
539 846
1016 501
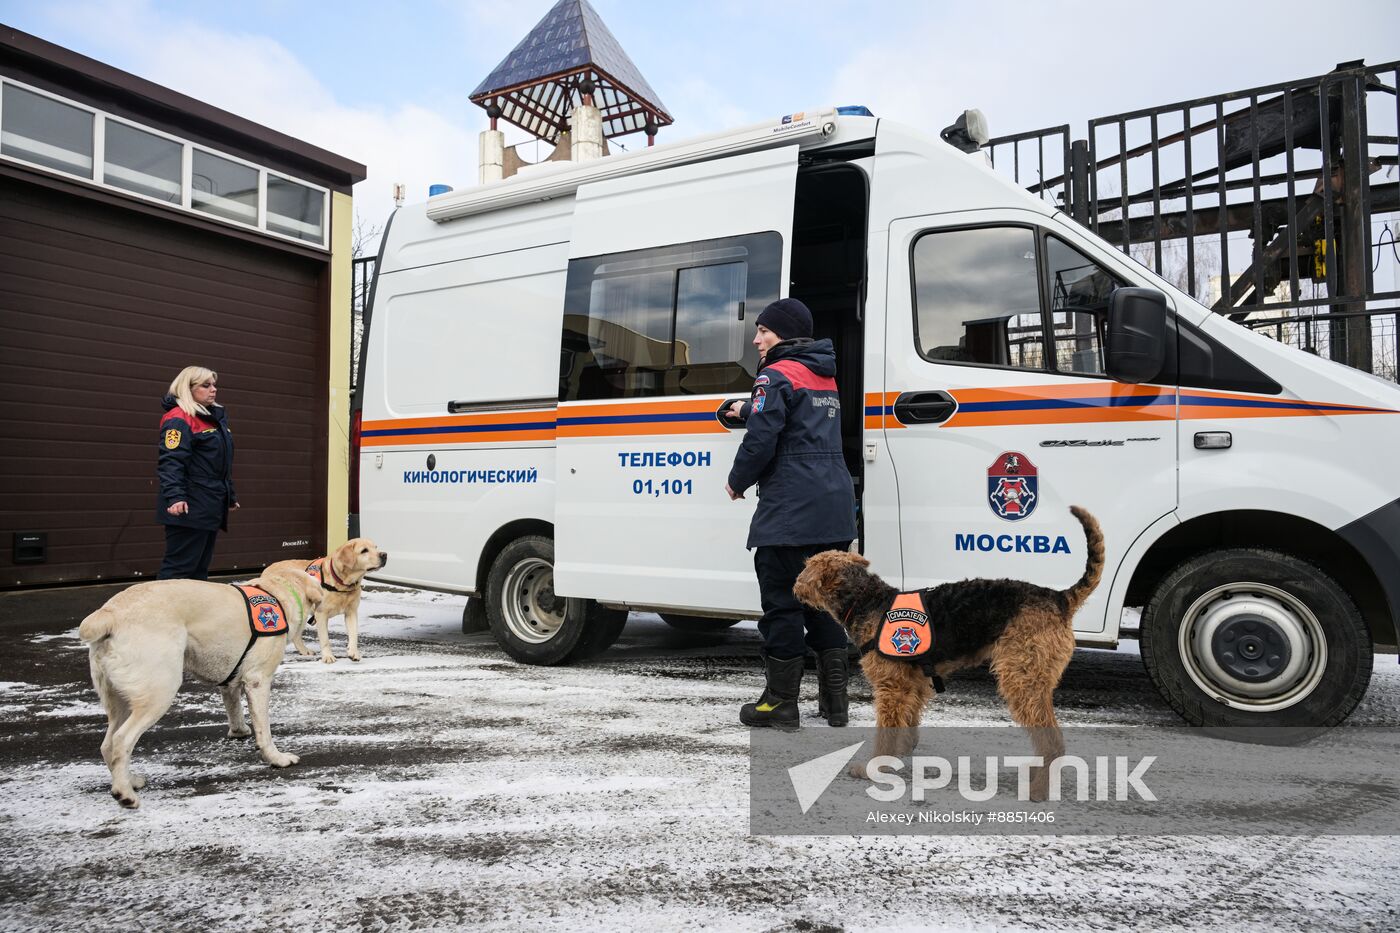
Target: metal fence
1274 205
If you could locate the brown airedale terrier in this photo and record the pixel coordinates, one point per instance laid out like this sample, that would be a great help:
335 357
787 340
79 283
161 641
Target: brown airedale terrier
1026 631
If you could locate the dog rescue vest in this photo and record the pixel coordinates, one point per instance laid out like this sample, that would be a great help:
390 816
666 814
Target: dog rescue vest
266 618
906 634
319 569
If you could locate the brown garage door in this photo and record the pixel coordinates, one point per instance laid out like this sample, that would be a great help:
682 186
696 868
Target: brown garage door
100 307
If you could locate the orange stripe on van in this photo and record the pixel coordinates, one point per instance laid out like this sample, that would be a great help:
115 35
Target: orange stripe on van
677 417
1065 403
486 427
878 410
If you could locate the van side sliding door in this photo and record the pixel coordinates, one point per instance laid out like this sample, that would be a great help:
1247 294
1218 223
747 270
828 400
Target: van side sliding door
667 271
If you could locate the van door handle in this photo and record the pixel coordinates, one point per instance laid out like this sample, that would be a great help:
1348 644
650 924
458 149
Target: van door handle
722 414
924 407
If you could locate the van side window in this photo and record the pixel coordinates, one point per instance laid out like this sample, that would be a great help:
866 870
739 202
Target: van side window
707 308
1079 290
977 297
666 321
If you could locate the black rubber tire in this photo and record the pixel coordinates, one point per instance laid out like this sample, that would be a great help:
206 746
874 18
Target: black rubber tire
474 618
604 628
1345 676
697 623
579 614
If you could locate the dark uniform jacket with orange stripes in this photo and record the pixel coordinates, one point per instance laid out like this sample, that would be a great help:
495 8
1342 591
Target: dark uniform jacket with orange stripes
792 450
195 466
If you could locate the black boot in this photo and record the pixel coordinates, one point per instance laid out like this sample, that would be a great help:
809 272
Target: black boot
778 704
833 673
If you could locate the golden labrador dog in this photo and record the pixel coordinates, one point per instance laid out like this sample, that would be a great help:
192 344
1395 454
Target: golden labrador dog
339 574
143 640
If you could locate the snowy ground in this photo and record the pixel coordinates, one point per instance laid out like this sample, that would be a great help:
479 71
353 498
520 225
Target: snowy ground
442 785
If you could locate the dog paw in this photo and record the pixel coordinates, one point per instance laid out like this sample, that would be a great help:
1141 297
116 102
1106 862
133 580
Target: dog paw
304 651
328 658
354 657
240 735
138 781
282 760
127 799
857 770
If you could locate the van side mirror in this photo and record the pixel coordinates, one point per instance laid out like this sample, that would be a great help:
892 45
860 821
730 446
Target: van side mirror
1137 334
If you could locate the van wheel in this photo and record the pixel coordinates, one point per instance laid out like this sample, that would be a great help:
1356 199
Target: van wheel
531 623
696 623
1254 638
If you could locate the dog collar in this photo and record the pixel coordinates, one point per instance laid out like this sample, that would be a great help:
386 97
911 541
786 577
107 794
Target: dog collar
330 567
314 569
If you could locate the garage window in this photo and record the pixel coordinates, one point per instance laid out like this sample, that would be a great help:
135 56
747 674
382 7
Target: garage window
224 188
46 132
142 162
294 209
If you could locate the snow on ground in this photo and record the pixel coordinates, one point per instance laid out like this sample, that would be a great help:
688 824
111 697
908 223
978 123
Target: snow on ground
442 785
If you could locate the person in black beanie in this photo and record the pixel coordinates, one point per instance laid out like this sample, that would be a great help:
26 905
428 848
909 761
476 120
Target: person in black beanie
792 452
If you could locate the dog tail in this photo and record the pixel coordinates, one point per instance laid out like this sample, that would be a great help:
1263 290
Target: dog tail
1093 566
96 626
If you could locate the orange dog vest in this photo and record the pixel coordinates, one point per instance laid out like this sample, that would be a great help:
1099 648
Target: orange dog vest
906 634
319 569
265 619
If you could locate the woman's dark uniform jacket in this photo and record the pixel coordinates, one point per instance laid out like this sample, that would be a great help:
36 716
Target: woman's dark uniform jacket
792 450
195 466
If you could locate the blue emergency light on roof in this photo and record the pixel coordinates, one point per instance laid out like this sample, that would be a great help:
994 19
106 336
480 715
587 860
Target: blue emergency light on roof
854 110
435 190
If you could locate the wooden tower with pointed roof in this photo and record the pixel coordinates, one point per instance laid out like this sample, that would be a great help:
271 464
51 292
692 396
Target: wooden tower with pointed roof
570 59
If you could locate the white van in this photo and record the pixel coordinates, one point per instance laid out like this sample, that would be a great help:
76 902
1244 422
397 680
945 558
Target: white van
547 360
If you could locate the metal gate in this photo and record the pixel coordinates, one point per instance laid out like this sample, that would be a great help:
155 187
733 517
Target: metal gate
1277 205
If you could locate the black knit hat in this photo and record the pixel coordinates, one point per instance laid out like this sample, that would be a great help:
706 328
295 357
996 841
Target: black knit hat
788 318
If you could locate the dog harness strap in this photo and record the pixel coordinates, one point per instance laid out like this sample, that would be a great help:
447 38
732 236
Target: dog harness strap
314 571
265 619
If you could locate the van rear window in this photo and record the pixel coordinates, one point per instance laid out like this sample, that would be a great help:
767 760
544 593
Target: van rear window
668 320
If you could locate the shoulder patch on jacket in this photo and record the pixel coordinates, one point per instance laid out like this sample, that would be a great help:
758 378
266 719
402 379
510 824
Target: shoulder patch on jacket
172 439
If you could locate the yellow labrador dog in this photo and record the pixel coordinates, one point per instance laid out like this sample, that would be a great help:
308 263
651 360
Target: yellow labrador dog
339 574
144 639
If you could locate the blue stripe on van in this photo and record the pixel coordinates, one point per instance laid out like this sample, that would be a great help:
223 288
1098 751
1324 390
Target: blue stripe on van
1266 403
1040 404
639 419
463 429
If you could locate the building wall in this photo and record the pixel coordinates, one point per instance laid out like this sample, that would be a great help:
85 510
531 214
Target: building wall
338 389
100 307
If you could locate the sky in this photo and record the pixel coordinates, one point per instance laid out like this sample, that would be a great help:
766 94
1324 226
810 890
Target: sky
387 84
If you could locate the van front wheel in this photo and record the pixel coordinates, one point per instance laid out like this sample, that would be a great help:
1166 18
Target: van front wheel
1255 638
528 620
